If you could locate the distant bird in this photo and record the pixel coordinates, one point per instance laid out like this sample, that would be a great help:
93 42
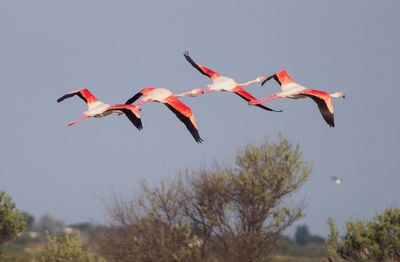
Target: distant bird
290 89
99 109
222 83
166 97
336 179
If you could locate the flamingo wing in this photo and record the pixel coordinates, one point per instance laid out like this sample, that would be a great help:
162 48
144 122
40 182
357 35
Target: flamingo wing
246 96
274 76
142 92
133 98
82 93
205 71
184 114
281 77
130 111
324 103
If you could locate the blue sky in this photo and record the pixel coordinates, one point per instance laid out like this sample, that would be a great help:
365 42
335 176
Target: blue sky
116 48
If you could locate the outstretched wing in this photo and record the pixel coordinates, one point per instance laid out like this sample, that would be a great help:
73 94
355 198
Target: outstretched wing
246 96
281 77
142 92
130 111
185 115
324 103
133 98
205 71
82 93
270 77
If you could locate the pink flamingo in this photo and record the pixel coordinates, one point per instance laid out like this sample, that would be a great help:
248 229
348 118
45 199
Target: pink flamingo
165 96
100 109
292 90
222 83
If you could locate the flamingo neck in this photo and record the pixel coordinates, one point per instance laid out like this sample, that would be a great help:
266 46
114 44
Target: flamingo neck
249 83
183 94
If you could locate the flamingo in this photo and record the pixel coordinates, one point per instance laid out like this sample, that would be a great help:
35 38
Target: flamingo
290 89
100 109
222 83
165 96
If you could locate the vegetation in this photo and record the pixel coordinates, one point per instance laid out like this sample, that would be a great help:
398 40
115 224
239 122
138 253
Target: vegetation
374 240
65 248
11 221
303 245
237 212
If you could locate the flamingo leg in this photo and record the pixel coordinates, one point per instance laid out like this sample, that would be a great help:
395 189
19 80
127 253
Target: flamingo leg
263 100
139 104
207 90
73 122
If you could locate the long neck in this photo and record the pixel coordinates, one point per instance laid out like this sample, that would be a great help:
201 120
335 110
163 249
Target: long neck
249 83
182 94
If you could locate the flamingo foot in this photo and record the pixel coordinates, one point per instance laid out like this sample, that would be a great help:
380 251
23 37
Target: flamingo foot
253 102
73 122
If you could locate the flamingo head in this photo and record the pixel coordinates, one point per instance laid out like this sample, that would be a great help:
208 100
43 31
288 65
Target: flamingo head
261 79
196 92
338 94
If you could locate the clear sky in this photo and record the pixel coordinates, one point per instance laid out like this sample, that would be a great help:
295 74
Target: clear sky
116 48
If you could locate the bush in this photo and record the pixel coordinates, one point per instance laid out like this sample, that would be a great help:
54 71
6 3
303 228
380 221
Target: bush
11 221
375 240
236 212
65 248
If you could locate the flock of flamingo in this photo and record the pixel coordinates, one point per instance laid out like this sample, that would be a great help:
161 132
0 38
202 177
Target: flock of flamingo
290 89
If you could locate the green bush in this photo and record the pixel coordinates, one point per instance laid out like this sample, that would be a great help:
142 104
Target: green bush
374 240
65 248
11 221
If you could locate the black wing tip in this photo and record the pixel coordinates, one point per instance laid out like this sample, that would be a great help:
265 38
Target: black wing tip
63 98
188 58
268 109
263 82
137 122
133 98
198 139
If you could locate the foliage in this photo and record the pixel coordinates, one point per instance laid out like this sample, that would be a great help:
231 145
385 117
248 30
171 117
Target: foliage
50 224
374 240
236 212
314 247
302 235
11 221
65 248
30 220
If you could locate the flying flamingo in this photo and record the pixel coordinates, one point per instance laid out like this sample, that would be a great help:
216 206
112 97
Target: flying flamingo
99 109
166 97
290 89
222 83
